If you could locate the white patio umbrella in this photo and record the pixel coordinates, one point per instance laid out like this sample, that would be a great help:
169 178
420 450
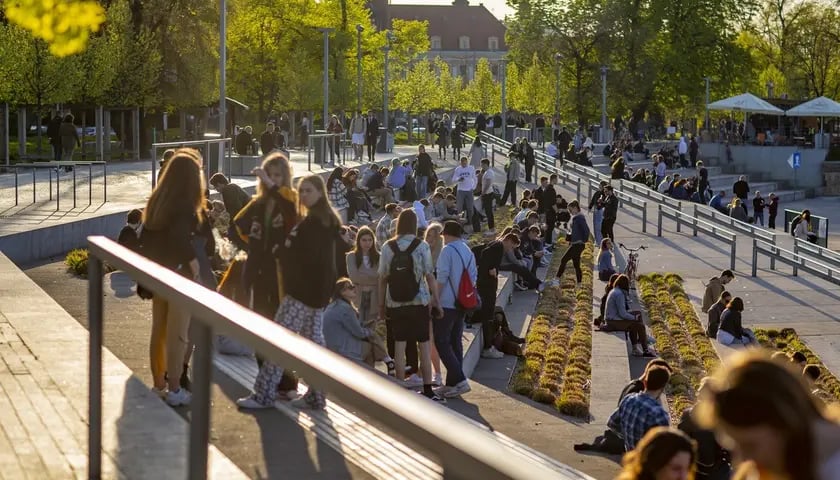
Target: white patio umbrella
819 107
746 102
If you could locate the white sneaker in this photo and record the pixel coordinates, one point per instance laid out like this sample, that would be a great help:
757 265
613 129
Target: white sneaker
541 287
413 381
458 390
637 351
250 403
554 282
442 391
160 392
178 397
492 353
437 380
490 233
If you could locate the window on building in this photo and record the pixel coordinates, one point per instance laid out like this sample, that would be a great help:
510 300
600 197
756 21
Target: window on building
435 43
493 43
464 42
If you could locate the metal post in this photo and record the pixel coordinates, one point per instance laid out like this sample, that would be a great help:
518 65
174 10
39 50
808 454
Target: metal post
795 258
493 156
309 152
773 257
694 221
732 255
679 224
95 367
359 30
90 184
603 103
200 405
105 182
58 191
326 32
6 152
222 77
16 187
387 48
755 257
659 221
503 73
577 189
644 217
49 172
708 125
74 187
33 186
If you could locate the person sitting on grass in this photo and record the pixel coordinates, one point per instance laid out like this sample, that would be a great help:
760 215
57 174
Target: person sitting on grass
605 261
640 412
731 332
619 318
130 234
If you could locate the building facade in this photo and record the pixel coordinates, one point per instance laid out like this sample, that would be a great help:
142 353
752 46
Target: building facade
460 34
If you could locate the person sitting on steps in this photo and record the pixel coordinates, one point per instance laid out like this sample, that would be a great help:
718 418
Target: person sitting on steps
620 318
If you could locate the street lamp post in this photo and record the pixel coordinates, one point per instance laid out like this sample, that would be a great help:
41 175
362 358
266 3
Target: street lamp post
503 73
222 69
603 135
326 32
557 58
707 124
359 30
387 48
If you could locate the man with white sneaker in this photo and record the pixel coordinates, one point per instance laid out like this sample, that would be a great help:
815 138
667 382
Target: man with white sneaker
455 259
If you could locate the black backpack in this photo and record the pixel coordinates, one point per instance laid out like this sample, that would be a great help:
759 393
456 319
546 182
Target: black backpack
794 223
403 286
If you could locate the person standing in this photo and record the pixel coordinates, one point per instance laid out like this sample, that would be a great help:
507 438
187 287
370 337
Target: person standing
530 160
172 214
703 184
69 139
511 177
577 242
549 198
457 142
596 206
358 132
371 135
304 131
424 170
758 208
476 153
334 142
480 123
406 276
714 289
693 150
443 136
285 128
268 139
464 176
741 189
456 260
682 149
309 277
54 134
610 202
487 195
772 211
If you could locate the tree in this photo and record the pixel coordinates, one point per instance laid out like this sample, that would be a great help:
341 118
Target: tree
533 94
450 94
483 93
138 61
64 25
415 93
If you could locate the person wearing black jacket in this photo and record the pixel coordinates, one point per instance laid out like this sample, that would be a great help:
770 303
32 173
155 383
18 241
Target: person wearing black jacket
565 140
489 258
371 135
610 202
530 160
713 461
268 139
741 189
308 276
54 134
596 206
480 123
549 197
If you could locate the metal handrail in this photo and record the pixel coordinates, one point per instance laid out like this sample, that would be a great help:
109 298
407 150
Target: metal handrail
794 259
323 137
465 450
680 218
820 254
625 199
55 165
651 194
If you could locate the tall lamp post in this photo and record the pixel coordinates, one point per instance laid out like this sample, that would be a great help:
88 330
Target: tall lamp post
503 73
387 48
326 32
557 58
603 135
707 123
359 30
222 70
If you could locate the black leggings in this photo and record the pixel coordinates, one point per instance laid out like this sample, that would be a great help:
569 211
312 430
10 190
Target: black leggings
635 328
573 254
607 229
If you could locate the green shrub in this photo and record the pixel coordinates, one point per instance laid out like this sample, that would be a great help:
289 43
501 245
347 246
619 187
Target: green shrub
77 262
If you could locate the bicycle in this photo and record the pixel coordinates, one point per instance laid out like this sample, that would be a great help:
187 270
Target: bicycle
632 262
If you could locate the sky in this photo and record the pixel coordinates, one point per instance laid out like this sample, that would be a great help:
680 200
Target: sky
499 8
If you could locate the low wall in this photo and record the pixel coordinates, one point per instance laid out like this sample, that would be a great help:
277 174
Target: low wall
771 163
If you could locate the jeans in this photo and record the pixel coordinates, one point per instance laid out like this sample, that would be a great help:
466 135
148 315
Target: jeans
421 184
759 218
487 205
510 189
573 254
727 338
597 220
448 331
465 203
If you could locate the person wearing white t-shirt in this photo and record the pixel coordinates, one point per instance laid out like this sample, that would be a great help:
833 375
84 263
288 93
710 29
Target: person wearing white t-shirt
464 176
487 179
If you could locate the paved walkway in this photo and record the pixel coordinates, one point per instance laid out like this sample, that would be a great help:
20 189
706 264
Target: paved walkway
44 402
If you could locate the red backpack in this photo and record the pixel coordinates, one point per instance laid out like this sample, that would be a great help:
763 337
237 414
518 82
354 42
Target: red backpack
466 298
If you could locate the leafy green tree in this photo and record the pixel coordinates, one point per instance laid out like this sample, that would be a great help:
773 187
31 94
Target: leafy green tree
137 60
63 24
450 92
483 93
415 93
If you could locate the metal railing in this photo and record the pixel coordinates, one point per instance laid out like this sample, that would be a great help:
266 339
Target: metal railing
50 166
795 260
464 450
626 200
651 194
331 145
818 253
224 144
682 218
759 233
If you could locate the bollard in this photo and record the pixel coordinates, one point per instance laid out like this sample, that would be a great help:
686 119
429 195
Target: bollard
694 225
773 257
644 216
732 254
755 257
796 258
578 188
678 216
74 186
493 155
659 221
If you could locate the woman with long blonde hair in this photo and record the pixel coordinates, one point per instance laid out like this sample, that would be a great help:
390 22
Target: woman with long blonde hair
263 225
763 411
309 275
172 214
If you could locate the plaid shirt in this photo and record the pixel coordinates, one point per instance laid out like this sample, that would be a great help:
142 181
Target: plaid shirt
637 414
